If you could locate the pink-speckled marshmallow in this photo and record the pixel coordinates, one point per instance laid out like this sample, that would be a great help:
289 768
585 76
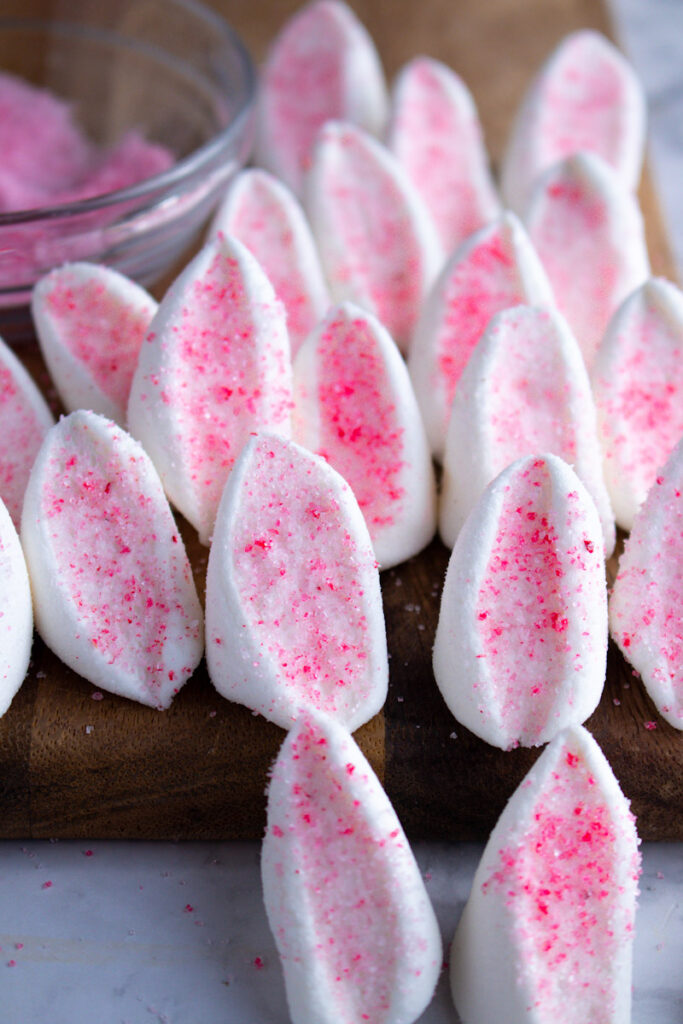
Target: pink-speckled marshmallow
16 612
547 932
585 98
265 216
354 405
588 231
323 65
294 610
521 643
112 587
376 239
495 268
24 421
525 389
91 322
214 368
645 608
435 134
354 926
637 380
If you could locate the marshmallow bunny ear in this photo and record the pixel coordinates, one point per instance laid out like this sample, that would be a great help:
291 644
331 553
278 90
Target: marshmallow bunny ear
354 405
377 242
547 933
586 98
214 368
16 613
525 389
294 610
91 322
588 231
645 608
112 587
24 421
638 386
346 903
322 66
521 643
495 268
435 134
261 213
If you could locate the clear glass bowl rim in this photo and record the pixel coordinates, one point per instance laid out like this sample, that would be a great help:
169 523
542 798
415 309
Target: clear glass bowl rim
186 167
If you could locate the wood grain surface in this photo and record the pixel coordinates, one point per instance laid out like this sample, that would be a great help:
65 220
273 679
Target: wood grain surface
75 766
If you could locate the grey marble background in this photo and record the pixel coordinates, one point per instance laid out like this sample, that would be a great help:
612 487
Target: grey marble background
138 933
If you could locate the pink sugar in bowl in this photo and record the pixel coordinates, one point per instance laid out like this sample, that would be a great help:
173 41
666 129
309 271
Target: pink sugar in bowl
121 124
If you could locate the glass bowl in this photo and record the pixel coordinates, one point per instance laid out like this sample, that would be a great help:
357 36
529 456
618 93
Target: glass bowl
171 70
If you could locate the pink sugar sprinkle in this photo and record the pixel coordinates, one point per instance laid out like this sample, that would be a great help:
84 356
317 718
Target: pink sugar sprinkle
88 853
259 963
11 963
18 945
189 909
46 885
97 695
650 725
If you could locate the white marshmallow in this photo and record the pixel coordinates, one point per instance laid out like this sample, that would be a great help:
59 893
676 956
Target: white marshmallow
547 933
112 587
91 321
293 604
346 903
637 381
645 609
215 367
585 98
525 389
588 231
16 613
354 405
376 240
323 65
435 134
264 215
24 420
495 268
521 643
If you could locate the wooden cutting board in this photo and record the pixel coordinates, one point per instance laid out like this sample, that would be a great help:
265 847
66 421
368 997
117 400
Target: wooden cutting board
75 766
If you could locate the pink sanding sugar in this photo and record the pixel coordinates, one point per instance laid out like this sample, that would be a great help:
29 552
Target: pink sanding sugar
47 159
564 883
359 430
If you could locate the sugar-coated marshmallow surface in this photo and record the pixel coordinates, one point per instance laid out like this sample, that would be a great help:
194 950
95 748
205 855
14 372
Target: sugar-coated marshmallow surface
214 367
585 98
323 65
494 269
645 608
588 231
547 933
294 610
112 587
354 405
353 924
521 642
24 420
637 380
16 613
91 322
265 216
435 134
525 389
376 239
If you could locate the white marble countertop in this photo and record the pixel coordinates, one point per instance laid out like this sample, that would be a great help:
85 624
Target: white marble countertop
138 933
